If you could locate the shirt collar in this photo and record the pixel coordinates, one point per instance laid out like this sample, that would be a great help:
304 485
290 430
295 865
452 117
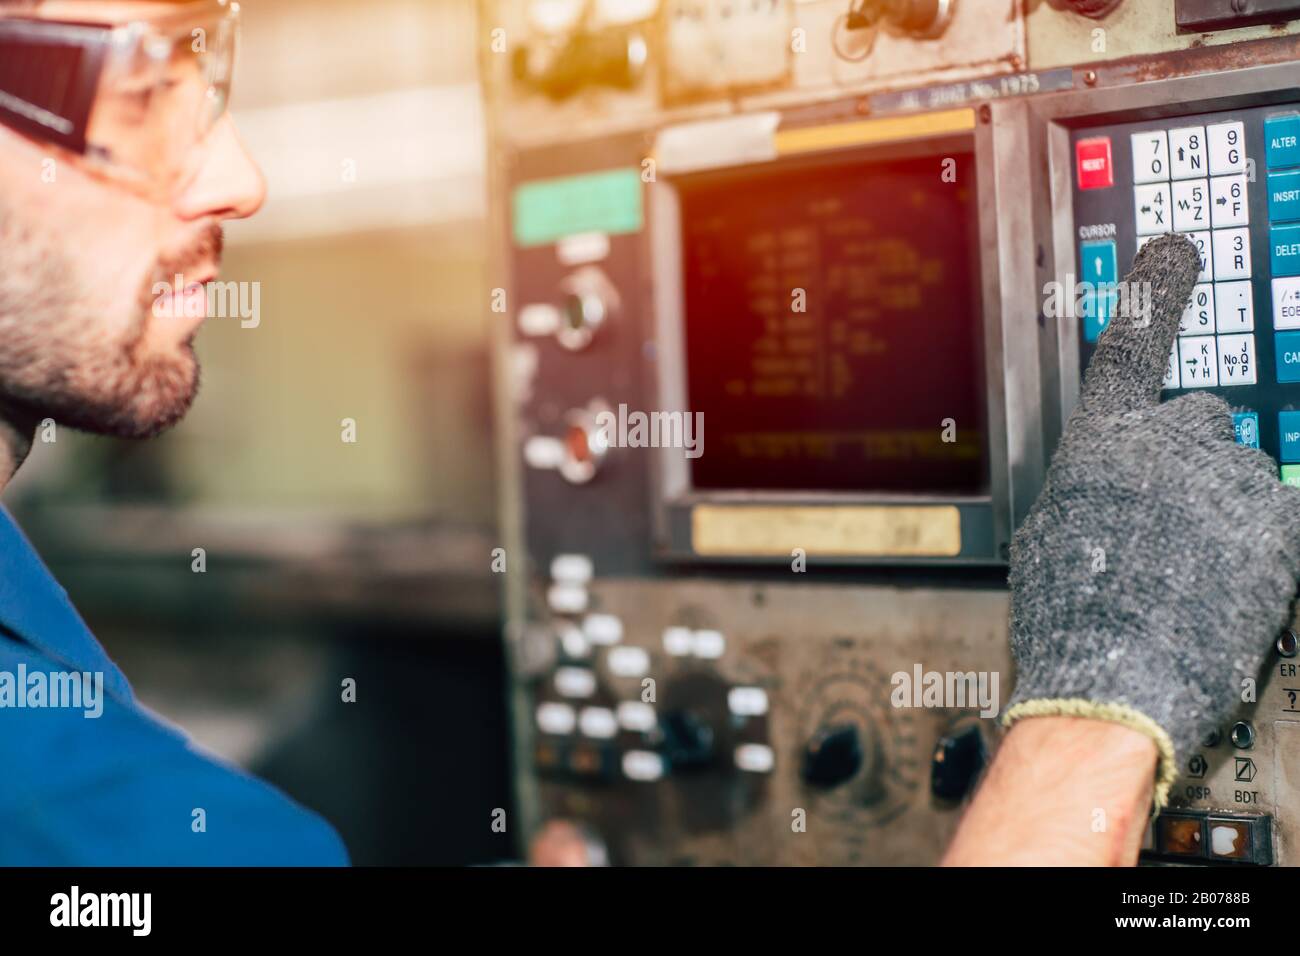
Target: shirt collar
35 609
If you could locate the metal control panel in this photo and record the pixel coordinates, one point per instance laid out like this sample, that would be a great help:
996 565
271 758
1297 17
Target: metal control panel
722 662
727 724
1205 154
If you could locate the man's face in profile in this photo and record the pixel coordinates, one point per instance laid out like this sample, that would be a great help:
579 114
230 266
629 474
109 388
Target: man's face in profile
84 337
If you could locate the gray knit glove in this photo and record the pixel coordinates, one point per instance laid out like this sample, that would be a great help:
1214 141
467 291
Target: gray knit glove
1160 561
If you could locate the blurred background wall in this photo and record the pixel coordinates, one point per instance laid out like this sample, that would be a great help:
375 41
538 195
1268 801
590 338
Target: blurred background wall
325 560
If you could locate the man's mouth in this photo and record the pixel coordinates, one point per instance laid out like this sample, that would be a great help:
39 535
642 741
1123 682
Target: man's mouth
184 298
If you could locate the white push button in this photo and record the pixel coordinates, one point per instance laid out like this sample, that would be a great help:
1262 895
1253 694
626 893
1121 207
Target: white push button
678 641
1234 307
1228 201
573 642
539 318
543 451
603 629
1191 205
708 644
554 717
564 598
644 766
1187 152
637 716
599 723
1151 205
755 758
575 682
1150 156
1236 360
1231 253
1286 303
1199 361
1227 148
747 701
572 568
628 661
1198 317
1171 369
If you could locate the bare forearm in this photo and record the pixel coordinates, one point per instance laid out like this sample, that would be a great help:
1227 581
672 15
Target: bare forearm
1062 791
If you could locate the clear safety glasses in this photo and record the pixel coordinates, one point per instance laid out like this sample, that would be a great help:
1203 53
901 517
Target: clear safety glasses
133 99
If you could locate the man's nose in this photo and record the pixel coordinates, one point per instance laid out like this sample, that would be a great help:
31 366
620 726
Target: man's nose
227 183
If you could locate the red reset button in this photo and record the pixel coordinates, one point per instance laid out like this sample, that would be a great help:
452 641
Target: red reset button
1092 157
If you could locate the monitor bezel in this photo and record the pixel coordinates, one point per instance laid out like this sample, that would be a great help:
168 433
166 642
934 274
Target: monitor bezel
1011 399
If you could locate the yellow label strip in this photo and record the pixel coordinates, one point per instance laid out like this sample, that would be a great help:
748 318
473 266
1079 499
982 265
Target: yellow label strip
832 531
884 130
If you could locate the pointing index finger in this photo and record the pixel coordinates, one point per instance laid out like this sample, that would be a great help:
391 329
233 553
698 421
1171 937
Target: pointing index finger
1129 365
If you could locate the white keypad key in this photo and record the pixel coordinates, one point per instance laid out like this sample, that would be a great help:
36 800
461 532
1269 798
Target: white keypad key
1151 205
1234 307
1236 360
1150 156
1187 152
1231 253
1201 240
1171 370
1198 359
1286 302
1228 201
1198 317
1191 205
1227 142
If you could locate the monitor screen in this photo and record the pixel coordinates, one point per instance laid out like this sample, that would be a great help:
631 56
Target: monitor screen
832 327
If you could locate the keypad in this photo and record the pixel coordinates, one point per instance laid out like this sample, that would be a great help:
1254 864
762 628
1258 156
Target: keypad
1230 182
1213 211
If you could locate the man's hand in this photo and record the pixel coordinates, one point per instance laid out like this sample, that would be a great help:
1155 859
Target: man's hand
1063 791
1160 561
1148 581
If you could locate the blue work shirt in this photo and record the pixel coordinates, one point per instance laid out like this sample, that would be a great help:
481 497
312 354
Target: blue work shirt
123 788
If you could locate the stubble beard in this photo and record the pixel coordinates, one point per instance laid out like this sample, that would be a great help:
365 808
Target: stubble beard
55 362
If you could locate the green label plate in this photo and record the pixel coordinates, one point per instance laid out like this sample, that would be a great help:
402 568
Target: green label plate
549 209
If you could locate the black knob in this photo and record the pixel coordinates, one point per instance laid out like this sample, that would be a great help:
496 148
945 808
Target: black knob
833 756
688 740
959 757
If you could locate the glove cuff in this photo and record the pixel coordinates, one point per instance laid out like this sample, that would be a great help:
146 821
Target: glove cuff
1166 767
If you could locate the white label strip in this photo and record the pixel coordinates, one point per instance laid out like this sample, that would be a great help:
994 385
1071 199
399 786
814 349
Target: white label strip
710 144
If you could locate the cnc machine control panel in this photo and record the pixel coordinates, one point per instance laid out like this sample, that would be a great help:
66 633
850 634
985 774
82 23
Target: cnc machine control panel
828 231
